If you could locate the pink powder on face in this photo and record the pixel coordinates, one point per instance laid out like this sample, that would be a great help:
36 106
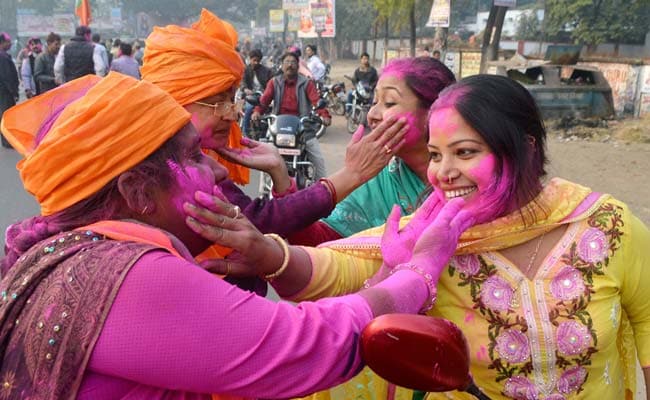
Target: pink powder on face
394 71
493 194
189 179
414 134
442 123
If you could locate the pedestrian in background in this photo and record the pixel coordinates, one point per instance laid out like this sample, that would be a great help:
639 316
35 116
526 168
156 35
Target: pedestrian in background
79 57
44 65
8 79
124 63
27 67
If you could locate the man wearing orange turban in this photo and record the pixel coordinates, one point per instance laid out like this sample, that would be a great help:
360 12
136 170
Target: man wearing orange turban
201 69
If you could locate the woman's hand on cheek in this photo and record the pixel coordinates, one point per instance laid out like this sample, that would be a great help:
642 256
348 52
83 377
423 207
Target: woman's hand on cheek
366 155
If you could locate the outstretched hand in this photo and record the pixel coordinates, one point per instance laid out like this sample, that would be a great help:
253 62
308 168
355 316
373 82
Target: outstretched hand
428 240
439 240
397 244
255 155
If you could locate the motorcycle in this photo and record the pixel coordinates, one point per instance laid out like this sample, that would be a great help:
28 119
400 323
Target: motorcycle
335 96
358 109
419 352
289 134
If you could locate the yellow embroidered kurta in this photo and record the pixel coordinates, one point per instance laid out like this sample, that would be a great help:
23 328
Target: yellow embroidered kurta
564 335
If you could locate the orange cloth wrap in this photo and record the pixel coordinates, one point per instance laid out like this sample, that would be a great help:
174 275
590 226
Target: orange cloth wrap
118 123
194 63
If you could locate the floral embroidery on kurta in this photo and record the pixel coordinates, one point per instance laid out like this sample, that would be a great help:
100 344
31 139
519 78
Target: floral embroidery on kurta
569 289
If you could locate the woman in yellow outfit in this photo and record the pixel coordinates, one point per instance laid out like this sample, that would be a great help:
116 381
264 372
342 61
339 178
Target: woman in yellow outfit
550 285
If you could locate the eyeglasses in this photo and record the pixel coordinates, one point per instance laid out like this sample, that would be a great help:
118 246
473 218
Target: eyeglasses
289 62
223 108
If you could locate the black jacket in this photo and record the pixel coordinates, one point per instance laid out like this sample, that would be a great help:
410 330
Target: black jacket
8 77
78 58
264 75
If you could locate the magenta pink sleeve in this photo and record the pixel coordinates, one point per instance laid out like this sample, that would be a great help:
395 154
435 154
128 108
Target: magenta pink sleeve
175 326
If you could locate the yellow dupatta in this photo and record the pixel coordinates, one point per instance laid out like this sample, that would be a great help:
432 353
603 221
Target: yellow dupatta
559 202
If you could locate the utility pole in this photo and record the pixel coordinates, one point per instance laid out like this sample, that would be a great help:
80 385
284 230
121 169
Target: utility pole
492 36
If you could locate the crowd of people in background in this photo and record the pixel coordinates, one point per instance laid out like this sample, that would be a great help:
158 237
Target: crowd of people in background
38 68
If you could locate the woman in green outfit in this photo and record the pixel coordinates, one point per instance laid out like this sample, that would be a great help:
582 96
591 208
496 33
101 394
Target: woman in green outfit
406 89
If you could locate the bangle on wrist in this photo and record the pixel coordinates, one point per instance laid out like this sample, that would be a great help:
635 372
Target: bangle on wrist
331 188
428 279
293 188
285 257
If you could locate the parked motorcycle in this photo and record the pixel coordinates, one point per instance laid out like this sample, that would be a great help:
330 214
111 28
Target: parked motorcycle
358 109
335 96
419 352
289 133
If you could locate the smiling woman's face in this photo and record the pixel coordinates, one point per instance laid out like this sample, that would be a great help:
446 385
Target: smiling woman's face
463 165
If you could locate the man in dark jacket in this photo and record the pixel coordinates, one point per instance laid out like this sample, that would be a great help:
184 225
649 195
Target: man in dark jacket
79 57
256 76
8 79
44 66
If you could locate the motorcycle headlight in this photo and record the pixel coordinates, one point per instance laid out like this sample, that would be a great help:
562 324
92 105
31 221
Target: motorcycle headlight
285 140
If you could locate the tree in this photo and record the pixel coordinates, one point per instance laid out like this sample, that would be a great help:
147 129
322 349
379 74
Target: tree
598 21
528 27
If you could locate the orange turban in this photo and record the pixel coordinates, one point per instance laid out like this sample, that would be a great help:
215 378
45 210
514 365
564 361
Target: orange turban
107 126
194 63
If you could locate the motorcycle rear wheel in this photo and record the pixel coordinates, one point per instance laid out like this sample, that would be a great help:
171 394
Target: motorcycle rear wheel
337 107
353 122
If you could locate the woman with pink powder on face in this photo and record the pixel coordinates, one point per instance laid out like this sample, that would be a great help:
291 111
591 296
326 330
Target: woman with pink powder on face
550 284
406 89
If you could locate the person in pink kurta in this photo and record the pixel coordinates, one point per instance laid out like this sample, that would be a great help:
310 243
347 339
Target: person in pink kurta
101 297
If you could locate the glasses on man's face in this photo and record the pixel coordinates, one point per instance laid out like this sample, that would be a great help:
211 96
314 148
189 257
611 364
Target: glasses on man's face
223 108
289 62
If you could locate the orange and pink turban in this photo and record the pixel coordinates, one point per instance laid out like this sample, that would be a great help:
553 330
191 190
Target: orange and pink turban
194 63
78 137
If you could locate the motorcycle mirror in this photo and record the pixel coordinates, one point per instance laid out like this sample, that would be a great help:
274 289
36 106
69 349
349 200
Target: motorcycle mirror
419 352
322 103
253 100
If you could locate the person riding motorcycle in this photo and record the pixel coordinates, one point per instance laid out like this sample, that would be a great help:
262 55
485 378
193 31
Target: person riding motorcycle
256 76
294 94
366 73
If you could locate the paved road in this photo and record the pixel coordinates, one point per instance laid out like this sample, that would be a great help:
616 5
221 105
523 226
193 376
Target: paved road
16 204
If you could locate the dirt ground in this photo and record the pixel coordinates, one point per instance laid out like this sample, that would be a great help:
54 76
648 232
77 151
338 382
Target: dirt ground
612 157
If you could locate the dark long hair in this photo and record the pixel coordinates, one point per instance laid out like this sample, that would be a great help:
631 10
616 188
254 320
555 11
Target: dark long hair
106 204
506 116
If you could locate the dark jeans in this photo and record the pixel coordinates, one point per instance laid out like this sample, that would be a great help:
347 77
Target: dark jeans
248 111
6 101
